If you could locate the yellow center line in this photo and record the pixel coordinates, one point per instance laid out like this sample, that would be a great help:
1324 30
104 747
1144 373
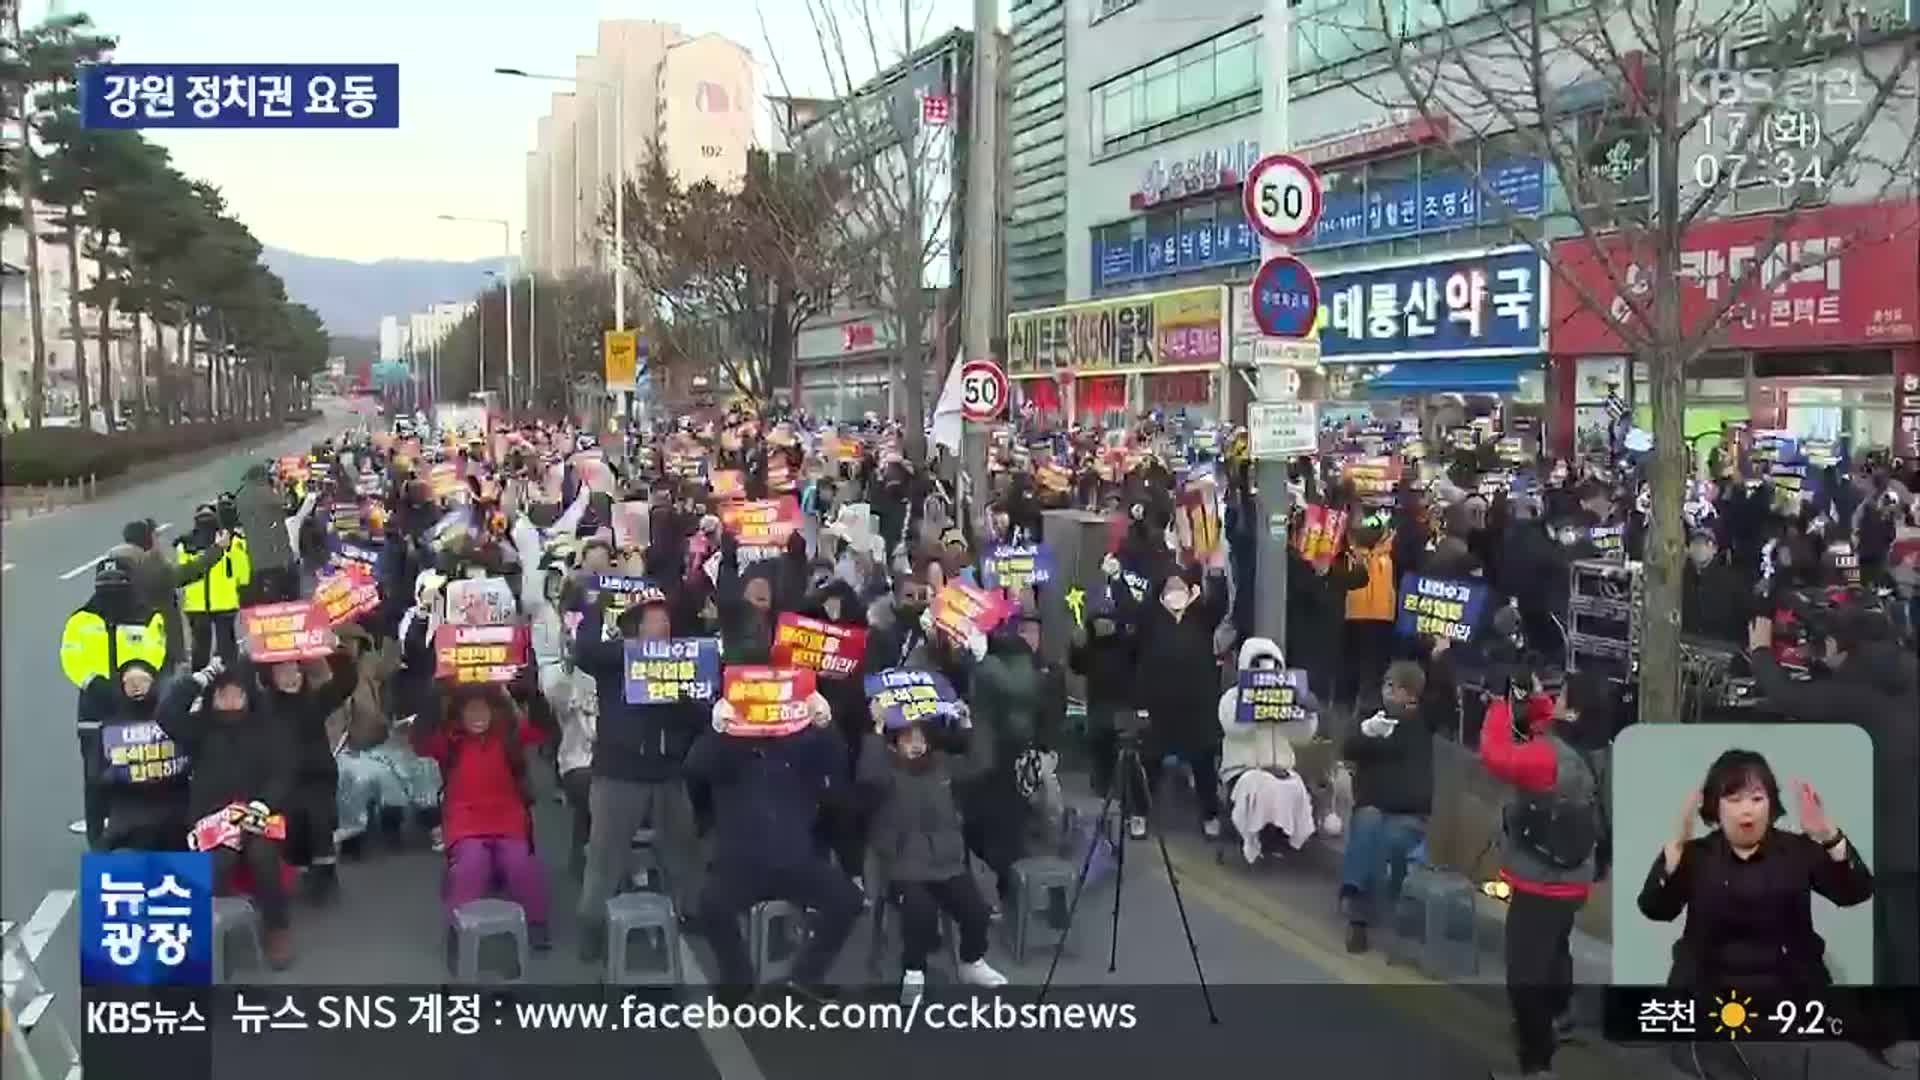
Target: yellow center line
1473 1024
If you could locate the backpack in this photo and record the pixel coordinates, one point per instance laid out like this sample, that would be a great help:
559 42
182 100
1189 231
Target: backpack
1562 832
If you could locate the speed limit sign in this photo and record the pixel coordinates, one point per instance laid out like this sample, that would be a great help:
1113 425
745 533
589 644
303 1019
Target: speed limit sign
1282 197
983 390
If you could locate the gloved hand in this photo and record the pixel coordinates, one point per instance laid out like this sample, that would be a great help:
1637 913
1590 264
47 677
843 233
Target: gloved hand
206 675
1378 726
710 525
977 644
1110 566
926 622
821 711
722 715
963 716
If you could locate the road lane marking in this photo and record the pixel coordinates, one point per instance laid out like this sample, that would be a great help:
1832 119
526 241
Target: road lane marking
725 1048
34 936
98 559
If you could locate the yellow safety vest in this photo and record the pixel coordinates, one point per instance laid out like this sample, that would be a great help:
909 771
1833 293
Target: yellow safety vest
1374 602
88 650
219 590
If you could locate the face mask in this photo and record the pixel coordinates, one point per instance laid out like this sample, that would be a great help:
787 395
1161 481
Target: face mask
1175 602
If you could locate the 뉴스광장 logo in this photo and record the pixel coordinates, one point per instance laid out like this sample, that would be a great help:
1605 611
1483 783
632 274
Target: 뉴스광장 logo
146 918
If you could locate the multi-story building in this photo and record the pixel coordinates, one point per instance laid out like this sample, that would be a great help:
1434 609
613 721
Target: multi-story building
394 337
1163 104
847 360
62 340
1036 150
647 83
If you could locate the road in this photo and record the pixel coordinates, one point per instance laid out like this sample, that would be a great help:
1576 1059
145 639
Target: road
1283 989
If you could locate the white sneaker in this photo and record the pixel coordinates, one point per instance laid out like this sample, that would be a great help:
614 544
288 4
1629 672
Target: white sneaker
980 973
1211 827
1137 827
912 985
439 839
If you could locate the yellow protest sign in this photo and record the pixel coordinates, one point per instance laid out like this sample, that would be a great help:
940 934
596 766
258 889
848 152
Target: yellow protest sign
622 359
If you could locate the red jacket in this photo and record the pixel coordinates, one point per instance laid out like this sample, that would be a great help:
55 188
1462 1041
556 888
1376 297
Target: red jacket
482 796
1529 766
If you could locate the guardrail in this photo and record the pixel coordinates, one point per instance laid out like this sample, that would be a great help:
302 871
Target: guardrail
35 499
26 1010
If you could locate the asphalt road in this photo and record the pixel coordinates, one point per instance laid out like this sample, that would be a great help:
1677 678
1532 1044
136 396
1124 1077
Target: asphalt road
1283 992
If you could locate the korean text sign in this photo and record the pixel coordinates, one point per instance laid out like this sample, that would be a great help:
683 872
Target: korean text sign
1444 607
1181 326
294 630
673 671
240 96
828 649
1016 566
1481 305
348 556
140 753
479 654
146 919
959 609
345 596
905 697
763 522
622 591
1269 696
769 700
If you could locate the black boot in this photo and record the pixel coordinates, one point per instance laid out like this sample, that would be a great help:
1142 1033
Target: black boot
321 884
393 827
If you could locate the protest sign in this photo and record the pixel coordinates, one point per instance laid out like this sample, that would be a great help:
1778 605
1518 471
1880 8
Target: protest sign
480 602
618 592
293 469
293 630
762 522
479 654
347 556
780 478
1269 696
1196 520
673 671
1321 531
729 484
1372 477
1610 541
345 519
768 700
959 609
905 697
347 595
631 525
831 650
1444 607
1016 566
141 753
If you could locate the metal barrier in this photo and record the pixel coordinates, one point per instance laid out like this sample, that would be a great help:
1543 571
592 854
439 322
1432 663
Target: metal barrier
27 1010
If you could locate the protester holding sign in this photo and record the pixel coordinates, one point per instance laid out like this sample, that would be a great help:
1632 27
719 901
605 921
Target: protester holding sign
1177 632
637 751
141 773
1263 718
1441 607
313 812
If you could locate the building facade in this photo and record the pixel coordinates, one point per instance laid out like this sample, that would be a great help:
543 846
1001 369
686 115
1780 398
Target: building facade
62 342
1433 300
1036 149
646 82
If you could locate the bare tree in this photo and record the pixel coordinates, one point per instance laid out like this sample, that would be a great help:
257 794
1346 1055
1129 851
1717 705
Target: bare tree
888 138
1655 115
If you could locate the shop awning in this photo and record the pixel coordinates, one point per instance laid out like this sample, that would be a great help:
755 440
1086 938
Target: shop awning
1454 376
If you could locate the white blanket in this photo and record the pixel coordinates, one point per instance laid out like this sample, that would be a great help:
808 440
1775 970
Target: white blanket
1261 799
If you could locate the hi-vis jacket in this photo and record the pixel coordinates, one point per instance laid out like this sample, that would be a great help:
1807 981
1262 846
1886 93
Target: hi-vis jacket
219 591
1374 601
87 648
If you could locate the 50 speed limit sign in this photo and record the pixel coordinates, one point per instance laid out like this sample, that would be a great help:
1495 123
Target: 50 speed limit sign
983 390
1282 197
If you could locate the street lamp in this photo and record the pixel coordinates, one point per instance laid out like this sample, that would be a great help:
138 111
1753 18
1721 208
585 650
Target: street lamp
619 178
506 255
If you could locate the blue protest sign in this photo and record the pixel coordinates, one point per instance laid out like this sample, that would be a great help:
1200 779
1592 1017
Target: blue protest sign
1268 696
1286 301
132 96
1444 607
140 753
673 671
146 918
1015 566
904 697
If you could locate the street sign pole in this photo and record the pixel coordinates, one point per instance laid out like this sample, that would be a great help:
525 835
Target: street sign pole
1270 476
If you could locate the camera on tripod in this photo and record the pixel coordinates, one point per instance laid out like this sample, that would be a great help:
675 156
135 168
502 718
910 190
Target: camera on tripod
1131 727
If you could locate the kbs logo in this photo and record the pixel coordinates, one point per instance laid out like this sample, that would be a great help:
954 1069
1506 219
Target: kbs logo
130 1018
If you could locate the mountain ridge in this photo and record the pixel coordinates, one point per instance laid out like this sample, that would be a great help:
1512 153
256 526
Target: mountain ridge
350 296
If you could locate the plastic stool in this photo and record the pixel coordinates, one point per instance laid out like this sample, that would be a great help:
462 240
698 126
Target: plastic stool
1436 924
477 921
234 915
650 915
776 931
1041 883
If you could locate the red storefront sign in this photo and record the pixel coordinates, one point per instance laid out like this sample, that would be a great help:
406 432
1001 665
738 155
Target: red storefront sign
1857 282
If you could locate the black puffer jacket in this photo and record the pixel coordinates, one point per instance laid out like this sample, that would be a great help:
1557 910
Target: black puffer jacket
304 716
236 758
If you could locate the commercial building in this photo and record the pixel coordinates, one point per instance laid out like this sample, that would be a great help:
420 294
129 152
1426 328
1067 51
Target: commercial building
1435 306
647 83
1036 149
63 341
847 360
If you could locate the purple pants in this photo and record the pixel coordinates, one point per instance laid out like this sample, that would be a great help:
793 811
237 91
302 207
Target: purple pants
475 864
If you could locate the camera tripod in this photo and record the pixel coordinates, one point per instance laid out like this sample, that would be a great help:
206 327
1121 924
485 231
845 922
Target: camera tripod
1127 769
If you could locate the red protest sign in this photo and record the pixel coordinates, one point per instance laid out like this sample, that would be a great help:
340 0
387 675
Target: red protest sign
347 595
960 608
768 700
729 484
763 522
294 630
1321 532
834 651
479 654
293 468
779 474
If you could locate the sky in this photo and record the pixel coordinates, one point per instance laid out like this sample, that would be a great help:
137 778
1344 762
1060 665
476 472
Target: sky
464 132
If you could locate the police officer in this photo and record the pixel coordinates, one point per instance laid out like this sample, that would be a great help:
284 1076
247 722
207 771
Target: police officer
213 602
107 632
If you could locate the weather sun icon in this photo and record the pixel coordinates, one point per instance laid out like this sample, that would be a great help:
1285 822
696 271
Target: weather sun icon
1732 1014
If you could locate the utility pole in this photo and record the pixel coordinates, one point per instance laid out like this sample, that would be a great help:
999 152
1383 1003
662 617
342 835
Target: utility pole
1270 477
980 315
909 273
